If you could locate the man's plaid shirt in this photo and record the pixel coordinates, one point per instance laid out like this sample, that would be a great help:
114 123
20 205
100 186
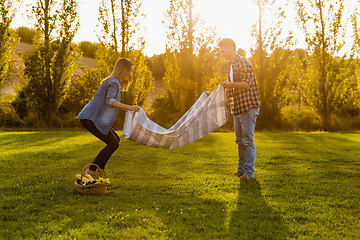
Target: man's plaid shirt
240 101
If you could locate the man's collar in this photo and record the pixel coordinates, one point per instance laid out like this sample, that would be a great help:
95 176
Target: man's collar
235 58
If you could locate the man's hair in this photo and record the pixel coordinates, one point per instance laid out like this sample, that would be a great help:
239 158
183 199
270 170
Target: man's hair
227 42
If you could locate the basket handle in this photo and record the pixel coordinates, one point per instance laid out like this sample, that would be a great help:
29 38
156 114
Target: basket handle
86 166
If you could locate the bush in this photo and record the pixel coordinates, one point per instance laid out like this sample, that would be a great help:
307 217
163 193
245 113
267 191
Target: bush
8 116
26 34
9 40
300 118
82 87
88 48
345 123
157 67
162 112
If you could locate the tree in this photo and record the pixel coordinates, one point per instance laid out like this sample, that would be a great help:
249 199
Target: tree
54 60
26 34
321 22
126 15
179 70
157 67
268 59
83 86
191 62
354 90
8 38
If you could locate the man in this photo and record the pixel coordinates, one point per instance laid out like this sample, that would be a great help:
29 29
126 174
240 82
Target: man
243 101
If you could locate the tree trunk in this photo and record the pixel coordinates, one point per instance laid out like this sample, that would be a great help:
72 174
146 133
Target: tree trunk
49 91
115 28
323 77
123 29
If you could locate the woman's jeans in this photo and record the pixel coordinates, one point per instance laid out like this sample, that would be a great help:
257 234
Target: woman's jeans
244 125
111 139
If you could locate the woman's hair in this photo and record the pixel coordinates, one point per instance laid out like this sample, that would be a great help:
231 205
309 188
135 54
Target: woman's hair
121 67
228 43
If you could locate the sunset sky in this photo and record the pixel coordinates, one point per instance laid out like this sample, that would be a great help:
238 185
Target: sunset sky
232 18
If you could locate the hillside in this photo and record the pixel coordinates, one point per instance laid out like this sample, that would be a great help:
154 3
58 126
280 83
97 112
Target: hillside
24 48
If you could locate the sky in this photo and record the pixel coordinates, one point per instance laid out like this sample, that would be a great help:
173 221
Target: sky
231 18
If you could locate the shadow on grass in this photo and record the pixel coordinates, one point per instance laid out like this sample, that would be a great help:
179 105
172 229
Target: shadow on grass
254 219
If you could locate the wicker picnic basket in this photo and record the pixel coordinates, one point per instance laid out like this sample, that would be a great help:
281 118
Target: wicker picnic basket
91 189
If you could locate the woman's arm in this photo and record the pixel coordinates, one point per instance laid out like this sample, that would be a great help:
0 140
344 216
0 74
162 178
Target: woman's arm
125 107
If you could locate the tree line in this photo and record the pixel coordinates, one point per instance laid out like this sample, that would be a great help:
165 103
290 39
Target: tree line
314 88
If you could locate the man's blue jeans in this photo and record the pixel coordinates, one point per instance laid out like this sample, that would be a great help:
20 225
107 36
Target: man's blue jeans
244 125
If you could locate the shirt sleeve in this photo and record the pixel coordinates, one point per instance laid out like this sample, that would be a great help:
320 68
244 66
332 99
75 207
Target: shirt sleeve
112 91
245 72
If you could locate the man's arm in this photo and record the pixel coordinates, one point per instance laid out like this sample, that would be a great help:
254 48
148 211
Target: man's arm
237 85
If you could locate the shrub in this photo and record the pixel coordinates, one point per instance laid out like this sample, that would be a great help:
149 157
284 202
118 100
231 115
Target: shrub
81 89
26 34
88 48
8 41
300 118
8 116
162 112
343 123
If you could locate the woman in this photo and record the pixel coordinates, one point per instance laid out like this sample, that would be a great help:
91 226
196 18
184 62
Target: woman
100 113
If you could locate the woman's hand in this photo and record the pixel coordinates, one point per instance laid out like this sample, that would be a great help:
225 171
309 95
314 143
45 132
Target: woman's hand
125 107
134 108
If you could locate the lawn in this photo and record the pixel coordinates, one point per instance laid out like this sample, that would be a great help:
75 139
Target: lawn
306 186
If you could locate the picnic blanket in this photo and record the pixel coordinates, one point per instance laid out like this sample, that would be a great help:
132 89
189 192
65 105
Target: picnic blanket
206 115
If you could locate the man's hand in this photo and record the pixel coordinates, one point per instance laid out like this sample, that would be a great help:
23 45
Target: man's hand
226 84
236 85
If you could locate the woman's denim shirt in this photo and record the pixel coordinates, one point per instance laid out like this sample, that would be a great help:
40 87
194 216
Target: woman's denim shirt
99 109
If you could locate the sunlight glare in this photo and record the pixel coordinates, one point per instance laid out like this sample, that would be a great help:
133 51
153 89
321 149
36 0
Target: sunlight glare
232 19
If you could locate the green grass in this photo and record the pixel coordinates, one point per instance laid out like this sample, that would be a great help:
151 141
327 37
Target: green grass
306 186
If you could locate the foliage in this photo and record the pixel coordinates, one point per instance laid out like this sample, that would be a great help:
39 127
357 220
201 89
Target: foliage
108 53
185 193
8 37
356 30
269 60
36 93
128 21
299 118
80 91
48 69
88 48
322 27
162 111
272 89
81 88
143 82
191 63
8 116
354 66
157 67
294 85
26 34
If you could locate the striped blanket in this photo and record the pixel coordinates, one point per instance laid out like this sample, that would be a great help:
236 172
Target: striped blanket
206 115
